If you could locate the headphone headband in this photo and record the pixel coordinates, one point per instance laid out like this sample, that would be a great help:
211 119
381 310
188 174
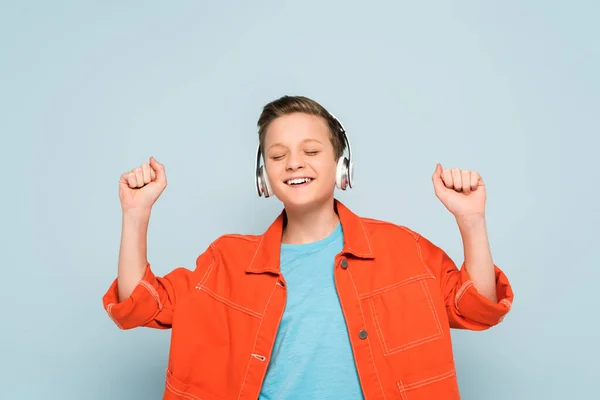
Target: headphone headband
343 132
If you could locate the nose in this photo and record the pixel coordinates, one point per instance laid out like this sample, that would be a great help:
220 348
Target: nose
294 161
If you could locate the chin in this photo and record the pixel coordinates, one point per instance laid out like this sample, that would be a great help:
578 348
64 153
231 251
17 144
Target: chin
304 202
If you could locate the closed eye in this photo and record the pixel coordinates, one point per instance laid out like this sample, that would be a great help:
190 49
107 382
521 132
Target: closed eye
279 157
312 153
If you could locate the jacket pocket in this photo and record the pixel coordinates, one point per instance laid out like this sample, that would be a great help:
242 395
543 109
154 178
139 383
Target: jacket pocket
178 389
438 383
405 315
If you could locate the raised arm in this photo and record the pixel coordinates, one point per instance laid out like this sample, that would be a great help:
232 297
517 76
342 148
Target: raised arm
479 294
138 191
137 297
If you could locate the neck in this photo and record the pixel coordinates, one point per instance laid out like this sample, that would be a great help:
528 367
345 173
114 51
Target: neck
306 226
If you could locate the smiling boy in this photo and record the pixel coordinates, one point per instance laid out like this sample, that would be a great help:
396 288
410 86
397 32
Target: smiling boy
324 304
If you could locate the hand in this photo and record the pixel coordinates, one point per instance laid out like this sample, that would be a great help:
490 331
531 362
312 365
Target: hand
141 187
462 192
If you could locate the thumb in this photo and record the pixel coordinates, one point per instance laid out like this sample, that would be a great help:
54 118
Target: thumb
438 184
159 169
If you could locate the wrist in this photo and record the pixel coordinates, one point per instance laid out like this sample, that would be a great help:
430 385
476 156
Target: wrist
137 214
471 221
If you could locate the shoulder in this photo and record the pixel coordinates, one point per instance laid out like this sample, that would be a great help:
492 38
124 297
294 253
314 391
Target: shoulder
377 228
229 249
236 242
387 236
237 239
391 235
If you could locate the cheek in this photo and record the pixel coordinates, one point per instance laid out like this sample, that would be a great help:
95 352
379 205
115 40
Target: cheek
327 170
273 169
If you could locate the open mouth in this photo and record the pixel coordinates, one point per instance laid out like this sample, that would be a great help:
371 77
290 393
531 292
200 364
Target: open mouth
297 182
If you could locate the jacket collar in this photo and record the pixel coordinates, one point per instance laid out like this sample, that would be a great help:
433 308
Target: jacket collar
356 241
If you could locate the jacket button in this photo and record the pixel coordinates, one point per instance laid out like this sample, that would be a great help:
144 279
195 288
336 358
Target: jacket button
363 334
344 263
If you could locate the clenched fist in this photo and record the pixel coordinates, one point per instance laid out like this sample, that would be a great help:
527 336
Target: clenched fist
461 191
141 187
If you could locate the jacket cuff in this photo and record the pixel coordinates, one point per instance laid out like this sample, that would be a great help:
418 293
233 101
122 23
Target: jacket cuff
140 307
474 306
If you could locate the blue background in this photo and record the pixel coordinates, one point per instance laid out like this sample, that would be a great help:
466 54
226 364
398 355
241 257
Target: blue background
89 90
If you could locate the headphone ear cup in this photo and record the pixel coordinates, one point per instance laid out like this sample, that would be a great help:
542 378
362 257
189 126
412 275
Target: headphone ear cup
351 174
261 181
341 173
265 186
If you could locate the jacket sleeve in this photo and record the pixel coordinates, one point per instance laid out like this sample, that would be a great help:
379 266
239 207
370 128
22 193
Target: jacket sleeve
153 301
465 306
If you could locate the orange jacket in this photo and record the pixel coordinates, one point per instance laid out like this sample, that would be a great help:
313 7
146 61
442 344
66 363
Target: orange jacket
399 293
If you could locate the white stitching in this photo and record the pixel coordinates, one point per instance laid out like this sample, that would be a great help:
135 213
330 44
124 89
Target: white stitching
460 293
421 257
229 302
384 289
108 310
415 342
178 392
366 236
255 253
415 235
507 303
402 391
376 323
407 230
432 306
153 293
207 272
256 338
248 238
259 357
200 286
362 315
426 381
433 312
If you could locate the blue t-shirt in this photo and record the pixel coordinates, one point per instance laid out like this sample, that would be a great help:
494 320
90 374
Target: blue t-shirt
312 357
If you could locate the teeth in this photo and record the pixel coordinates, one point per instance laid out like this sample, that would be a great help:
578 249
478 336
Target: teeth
298 181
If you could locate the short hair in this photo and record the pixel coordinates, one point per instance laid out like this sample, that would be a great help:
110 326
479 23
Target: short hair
299 104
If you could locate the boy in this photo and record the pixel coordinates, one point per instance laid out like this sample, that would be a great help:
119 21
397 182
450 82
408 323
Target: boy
325 304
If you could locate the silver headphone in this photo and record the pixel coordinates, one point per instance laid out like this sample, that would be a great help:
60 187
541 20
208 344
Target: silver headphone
344 176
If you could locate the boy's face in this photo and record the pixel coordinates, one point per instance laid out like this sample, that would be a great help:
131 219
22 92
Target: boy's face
300 161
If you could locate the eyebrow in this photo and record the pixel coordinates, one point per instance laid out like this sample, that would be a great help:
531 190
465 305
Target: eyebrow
304 141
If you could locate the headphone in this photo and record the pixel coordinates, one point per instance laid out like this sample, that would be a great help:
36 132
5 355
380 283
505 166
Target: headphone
344 176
